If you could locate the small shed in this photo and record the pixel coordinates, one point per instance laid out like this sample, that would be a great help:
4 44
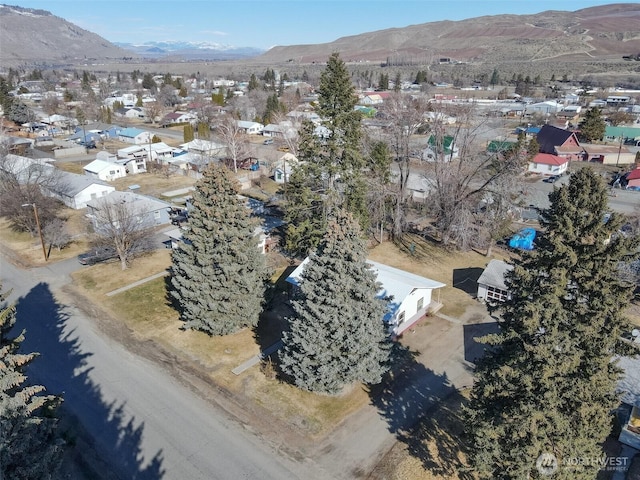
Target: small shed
491 284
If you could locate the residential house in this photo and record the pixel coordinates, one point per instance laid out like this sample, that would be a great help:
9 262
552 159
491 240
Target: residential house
560 142
440 148
250 128
548 107
130 112
134 135
104 170
491 284
16 145
609 154
149 211
205 148
570 113
410 295
281 130
174 118
371 99
633 179
617 100
75 191
283 167
548 164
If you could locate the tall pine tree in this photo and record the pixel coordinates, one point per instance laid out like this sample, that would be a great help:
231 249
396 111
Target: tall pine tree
218 273
29 445
547 384
337 336
335 156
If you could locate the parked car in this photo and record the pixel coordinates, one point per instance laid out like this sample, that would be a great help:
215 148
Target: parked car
552 179
268 141
284 148
97 255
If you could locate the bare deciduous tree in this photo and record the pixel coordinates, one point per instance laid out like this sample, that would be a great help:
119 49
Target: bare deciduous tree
464 186
234 138
123 227
405 115
56 234
154 111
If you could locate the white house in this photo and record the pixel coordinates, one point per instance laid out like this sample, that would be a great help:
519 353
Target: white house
150 211
411 295
76 191
548 164
104 170
250 128
204 148
283 167
281 130
491 284
134 135
547 107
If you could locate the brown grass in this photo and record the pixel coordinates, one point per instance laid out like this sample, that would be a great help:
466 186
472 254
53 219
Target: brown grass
430 260
154 184
29 248
145 311
435 450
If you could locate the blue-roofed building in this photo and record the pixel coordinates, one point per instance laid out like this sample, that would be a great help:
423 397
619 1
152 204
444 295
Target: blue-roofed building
134 135
411 294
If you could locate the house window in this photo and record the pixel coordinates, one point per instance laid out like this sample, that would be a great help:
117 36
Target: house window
94 196
278 175
400 317
496 294
420 303
551 168
112 172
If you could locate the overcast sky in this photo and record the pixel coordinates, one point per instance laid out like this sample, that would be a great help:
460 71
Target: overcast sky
266 23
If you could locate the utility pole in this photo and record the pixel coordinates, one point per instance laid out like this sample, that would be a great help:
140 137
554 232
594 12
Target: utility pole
619 150
35 213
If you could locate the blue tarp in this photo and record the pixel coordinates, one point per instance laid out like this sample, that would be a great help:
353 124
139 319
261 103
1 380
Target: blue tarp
523 239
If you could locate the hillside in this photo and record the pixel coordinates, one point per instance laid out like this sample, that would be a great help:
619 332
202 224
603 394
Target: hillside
607 31
29 36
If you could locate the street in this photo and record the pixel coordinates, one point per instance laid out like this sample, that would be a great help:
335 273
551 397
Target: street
145 424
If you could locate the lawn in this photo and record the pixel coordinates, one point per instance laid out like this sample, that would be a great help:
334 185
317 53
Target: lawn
29 248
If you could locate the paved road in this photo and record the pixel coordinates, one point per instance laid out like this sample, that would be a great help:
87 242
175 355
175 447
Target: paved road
146 425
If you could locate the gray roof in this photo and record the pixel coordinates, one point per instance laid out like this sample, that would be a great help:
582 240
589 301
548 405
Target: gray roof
494 274
629 384
71 183
140 202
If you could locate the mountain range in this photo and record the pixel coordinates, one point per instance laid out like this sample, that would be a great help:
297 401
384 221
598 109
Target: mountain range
607 32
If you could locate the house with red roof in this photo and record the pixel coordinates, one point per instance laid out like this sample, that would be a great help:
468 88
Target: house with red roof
633 179
548 164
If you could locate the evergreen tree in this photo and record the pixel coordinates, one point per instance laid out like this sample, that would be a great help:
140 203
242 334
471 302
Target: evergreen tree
495 77
139 101
253 82
593 126
148 82
337 156
29 445
187 133
337 336
218 273
547 385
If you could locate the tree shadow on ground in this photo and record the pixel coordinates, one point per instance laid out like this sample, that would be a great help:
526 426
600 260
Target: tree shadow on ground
64 369
466 279
473 349
407 399
273 319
